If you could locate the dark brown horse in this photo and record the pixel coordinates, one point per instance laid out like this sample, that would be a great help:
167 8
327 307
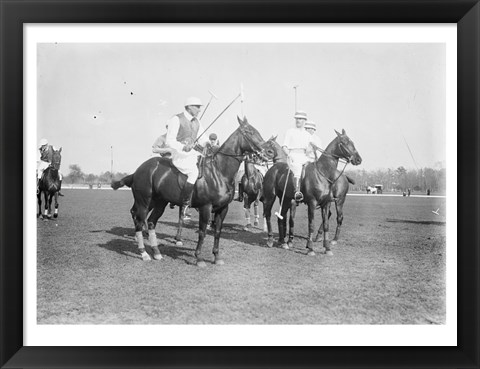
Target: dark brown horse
251 183
50 185
157 182
273 187
320 178
317 183
339 191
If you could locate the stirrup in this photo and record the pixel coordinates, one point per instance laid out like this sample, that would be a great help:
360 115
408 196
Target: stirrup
298 196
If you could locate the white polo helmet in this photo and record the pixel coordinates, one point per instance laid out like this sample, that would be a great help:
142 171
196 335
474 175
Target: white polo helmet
310 124
300 115
193 101
43 141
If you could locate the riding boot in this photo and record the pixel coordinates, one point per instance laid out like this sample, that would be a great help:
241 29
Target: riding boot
240 192
298 194
186 197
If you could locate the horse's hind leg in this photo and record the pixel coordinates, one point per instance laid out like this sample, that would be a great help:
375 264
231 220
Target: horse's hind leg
139 213
178 237
255 212
219 217
282 226
246 209
267 214
156 213
291 223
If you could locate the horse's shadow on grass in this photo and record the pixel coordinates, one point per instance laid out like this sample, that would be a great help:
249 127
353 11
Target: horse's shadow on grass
126 245
231 231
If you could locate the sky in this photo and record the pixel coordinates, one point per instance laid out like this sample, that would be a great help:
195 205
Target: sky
100 101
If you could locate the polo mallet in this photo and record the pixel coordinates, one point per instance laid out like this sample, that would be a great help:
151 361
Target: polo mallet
241 99
278 213
212 95
295 87
218 116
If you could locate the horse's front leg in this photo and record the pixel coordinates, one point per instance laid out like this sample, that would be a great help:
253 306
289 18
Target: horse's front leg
39 201
339 209
320 228
45 210
55 213
204 217
219 217
311 228
325 218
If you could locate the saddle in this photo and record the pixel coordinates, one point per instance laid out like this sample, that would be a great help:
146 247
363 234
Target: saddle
182 178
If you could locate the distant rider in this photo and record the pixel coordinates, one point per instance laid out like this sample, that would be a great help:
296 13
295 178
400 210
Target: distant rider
45 157
311 127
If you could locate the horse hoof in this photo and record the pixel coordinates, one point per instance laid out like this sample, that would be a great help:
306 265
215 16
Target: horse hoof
290 244
311 253
255 224
270 243
219 262
146 257
285 246
317 239
333 242
179 243
158 256
245 228
55 215
329 253
201 264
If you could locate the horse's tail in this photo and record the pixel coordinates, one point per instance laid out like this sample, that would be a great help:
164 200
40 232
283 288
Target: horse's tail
350 179
125 181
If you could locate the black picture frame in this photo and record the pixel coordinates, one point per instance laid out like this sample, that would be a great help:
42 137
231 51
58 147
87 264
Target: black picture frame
14 14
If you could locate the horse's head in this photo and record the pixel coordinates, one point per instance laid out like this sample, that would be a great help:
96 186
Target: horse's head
251 141
346 149
56 159
278 153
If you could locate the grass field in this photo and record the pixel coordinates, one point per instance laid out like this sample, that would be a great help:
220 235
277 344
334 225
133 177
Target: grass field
388 268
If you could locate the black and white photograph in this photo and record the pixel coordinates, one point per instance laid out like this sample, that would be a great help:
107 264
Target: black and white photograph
253 182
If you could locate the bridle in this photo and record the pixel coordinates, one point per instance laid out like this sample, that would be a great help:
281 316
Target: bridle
253 148
346 157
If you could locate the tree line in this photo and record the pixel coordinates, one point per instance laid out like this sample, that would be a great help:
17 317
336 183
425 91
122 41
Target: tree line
399 179
77 176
